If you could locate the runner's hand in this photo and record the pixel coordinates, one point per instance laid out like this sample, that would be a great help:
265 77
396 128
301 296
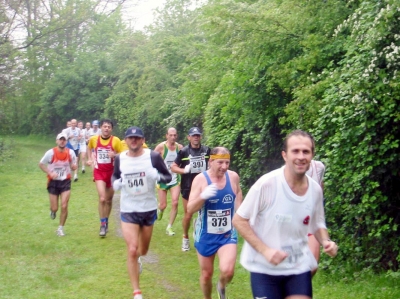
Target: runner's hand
274 256
209 191
53 175
118 184
187 168
153 174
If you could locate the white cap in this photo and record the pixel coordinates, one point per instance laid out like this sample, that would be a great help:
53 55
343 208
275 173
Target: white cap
62 135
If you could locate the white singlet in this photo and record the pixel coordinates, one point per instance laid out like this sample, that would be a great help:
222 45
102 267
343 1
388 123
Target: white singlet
281 219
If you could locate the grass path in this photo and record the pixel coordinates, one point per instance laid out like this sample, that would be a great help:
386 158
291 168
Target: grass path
35 263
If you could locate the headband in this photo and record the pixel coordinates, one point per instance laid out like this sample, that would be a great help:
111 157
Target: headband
220 156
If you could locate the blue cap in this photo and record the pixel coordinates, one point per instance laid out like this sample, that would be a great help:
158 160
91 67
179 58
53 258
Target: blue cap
194 131
95 123
134 132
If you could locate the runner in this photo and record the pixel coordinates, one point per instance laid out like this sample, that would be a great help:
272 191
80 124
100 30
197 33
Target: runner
169 150
191 160
95 129
103 149
74 136
82 145
65 131
316 172
58 163
136 172
274 219
215 194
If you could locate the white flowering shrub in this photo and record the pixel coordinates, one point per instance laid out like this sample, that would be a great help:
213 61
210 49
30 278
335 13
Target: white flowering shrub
358 128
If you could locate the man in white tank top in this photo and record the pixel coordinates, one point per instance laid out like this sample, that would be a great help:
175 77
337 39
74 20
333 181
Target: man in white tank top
136 172
274 219
169 150
74 137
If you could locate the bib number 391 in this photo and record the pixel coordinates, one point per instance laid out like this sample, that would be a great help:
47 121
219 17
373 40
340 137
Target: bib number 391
198 164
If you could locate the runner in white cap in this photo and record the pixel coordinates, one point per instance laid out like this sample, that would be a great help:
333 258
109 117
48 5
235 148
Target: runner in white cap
58 163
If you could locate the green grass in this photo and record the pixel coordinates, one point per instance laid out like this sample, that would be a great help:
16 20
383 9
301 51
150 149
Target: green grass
35 263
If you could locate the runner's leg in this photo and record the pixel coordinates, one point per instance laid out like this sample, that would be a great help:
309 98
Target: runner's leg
206 273
175 191
64 206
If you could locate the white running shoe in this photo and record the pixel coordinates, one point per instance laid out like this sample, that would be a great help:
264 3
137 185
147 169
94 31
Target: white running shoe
75 178
60 232
169 231
185 244
138 296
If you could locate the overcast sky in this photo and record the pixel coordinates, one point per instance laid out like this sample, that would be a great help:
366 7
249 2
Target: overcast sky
140 12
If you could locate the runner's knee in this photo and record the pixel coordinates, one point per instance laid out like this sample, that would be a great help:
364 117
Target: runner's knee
206 274
133 252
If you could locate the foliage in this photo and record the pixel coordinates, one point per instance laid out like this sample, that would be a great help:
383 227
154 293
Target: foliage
357 128
147 92
269 54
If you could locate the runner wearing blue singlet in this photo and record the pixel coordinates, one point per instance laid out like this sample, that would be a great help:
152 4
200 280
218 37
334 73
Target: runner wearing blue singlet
215 195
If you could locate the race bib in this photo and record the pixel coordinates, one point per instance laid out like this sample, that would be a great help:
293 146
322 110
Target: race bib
198 164
61 168
61 173
218 221
169 163
136 183
295 252
102 156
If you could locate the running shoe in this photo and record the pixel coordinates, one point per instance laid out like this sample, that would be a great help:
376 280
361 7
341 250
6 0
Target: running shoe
75 178
140 265
60 232
185 244
103 231
169 231
83 170
159 214
52 215
221 292
137 295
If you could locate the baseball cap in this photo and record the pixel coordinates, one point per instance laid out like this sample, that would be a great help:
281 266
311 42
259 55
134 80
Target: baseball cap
62 135
194 131
95 123
134 132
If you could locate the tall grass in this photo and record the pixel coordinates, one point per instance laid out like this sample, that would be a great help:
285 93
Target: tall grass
35 263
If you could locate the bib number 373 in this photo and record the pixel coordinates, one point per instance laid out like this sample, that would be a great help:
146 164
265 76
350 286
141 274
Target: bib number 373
218 221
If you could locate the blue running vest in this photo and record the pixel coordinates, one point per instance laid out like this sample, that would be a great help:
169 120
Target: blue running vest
214 220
